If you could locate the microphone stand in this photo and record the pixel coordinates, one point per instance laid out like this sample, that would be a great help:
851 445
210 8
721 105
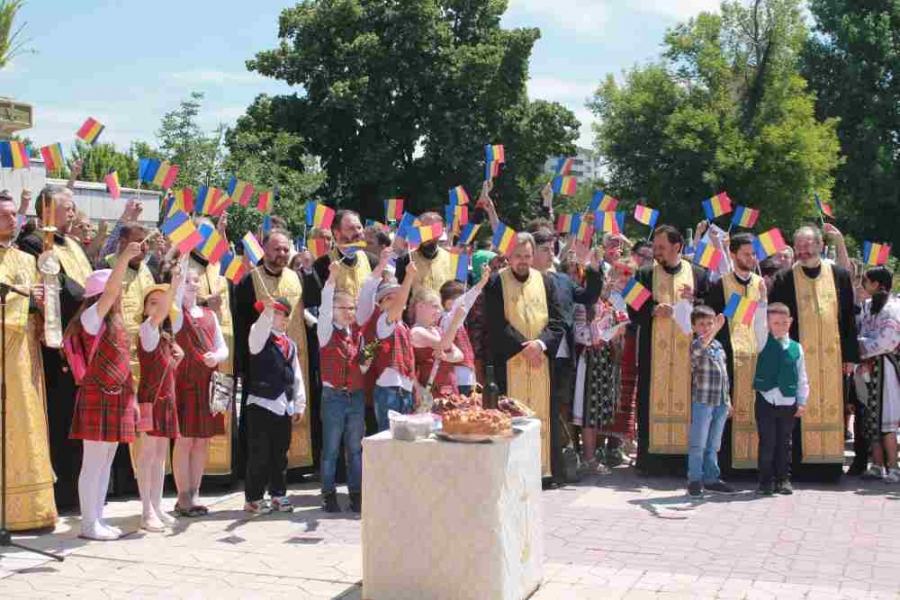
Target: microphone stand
6 540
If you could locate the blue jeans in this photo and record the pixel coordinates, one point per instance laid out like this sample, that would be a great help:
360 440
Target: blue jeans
390 398
343 416
707 424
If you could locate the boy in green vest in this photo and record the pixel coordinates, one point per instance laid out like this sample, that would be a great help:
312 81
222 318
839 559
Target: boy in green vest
781 391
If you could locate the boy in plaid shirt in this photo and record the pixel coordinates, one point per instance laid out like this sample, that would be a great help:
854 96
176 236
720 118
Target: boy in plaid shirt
710 403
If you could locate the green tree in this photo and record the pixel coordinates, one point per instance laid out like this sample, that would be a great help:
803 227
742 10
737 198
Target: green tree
11 42
853 62
99 159
198 154
724 109
399 98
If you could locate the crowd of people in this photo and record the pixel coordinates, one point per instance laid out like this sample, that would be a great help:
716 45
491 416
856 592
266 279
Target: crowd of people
318 350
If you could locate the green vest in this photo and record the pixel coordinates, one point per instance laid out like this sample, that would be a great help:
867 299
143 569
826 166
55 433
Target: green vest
777 367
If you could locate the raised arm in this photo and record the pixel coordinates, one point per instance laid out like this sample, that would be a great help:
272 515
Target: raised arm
116 280
395 313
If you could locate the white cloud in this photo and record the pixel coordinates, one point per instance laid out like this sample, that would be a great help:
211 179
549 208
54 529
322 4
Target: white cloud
679 9
580 16
213 77
559 90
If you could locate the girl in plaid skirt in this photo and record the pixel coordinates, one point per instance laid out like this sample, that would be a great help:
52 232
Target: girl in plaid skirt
105 409
159 356
198 333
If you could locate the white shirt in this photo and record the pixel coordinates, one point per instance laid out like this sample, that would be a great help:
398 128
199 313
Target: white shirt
774 396
390 377
259 335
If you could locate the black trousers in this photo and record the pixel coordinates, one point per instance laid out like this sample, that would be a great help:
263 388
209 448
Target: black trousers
562 388
65 454
268 441
775 425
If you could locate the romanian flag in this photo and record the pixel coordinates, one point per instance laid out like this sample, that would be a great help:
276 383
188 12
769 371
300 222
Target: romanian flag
160 173
241 191
53 157
495 154
422 235
745 217
564 166
585 231
635 294
231 267
252 248
718 205
185 199
90 131
459 265
407 223
318 247
612 222
213 247
378 225
603 202
824 208
504 239
565 186
182 232
768 243
458 195
112 184
875 255
319 215
14 155
267 224
353 247
460 216
740 309
706 255
646 215
491 170
468 233
266 199
564 223
212 201
393 209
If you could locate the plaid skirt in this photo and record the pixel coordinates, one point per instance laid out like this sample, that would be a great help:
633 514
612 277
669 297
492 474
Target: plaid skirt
160 418
194 417
104 417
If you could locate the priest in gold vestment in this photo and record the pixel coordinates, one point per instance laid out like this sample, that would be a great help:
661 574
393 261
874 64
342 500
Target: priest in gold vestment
29 503
525 328
270 280
664 361
432 262
820 296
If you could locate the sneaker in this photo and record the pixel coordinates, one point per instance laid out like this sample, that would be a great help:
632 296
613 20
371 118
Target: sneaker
695 489
893 476
784 488
356 502
719 486
257 508
282 504
330 503
874 472
766 489
96 531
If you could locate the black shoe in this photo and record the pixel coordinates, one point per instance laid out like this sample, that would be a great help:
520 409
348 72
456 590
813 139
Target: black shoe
549 484
615 457
356 502
719 486
330 503
856 469
766 489
784 488
695 489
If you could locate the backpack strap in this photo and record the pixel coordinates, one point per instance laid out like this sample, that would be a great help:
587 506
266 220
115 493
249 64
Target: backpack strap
96 343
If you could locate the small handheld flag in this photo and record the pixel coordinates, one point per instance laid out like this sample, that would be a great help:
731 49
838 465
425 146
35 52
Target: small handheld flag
504 239
252 248
491 170
182 232
825 209
407 223
646 215
458 195
158 172
768 243
495 154
468 233
459 265
875 255
423 235
611 222
744 217
53 157
319 215
564 223
635 294
564 166
564 186
266 199
112 184
14 155
318 247
603 202
267 224
213 247
706 255
185 198
231 267
90 131
718 205
393 209
353 247
584 231
240 191
740 309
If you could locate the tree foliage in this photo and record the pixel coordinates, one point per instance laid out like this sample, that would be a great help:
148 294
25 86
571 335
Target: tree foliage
724 109
853 63
99 159
399 98
198 154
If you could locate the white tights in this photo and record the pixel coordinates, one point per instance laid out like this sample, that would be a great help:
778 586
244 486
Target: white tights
151 467
188 464
93 481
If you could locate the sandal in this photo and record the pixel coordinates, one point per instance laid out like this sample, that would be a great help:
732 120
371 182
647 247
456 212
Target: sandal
595 467
192 512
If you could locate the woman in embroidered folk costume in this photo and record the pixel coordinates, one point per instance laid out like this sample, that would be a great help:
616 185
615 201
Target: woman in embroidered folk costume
159 356
105 408
199 335
877 379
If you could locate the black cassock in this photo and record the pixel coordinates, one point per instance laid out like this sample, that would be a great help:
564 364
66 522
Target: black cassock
784 291
656 464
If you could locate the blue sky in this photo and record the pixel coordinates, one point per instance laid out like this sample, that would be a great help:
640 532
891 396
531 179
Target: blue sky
127 63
